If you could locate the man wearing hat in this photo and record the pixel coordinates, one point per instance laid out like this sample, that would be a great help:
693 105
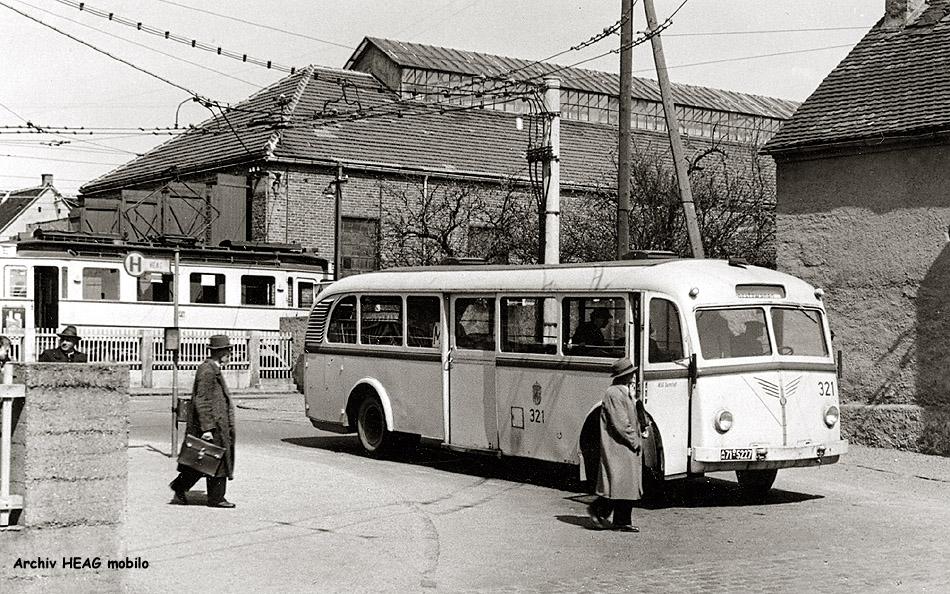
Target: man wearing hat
619 480
66 351
211 418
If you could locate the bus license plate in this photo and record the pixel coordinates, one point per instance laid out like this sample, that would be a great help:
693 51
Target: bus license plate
737 454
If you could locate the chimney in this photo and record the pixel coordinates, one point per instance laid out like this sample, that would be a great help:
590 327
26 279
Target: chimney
900 13
47 179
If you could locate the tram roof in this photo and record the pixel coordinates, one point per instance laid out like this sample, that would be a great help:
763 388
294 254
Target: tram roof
716 280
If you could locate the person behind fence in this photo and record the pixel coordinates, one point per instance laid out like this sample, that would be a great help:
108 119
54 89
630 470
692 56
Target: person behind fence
619 480
6 351
211 417
66 351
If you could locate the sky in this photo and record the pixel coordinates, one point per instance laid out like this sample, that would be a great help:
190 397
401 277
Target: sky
779 48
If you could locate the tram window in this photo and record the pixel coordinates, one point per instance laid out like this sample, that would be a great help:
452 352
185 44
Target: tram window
155 287
100 284
522 325
475 323
206 288
290 291
422 318
64 283
342 326
257 290
594 326
16 280
381 320
305 294
666 339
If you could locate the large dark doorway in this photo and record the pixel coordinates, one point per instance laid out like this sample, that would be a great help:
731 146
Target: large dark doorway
46 297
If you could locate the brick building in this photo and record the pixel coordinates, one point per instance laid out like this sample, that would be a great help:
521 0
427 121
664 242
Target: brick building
404 121
862 210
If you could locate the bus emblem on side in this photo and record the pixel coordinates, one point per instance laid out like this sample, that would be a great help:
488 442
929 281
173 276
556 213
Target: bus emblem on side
536 393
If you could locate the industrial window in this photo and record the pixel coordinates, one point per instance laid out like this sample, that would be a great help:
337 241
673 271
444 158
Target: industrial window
100 284
381 320
257 290
207 288
594 326
342 326
422 321
305 294
15 277
154 286
523 328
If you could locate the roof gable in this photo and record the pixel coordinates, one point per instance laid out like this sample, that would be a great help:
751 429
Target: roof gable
893 84
14 204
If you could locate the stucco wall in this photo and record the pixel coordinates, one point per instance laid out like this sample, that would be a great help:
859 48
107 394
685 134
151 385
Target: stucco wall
872 230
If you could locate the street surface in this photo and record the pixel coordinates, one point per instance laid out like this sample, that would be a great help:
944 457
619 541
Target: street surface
315 515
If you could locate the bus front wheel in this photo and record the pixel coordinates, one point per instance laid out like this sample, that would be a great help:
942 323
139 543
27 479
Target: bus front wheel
371 426
756 484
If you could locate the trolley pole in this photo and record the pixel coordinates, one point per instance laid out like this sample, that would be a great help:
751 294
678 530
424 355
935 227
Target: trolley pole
673 128
623 150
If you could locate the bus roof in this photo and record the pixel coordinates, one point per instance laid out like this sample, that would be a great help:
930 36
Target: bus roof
715 280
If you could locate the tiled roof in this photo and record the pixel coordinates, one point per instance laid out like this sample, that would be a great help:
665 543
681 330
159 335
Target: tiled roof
430 57
893 83
402 135
15 203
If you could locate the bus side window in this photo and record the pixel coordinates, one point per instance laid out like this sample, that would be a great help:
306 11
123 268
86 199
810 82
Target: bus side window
381 320
666 339
343 322
475 323
422 322
522 325
594 326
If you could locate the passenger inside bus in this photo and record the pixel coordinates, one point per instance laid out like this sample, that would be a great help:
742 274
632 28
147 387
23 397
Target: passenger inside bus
588 337
752 342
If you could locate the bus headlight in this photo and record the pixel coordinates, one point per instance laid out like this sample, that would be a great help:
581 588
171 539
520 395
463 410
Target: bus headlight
723 421
831 416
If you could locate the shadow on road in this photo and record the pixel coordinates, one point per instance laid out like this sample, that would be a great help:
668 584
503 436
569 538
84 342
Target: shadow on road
562 477
695 492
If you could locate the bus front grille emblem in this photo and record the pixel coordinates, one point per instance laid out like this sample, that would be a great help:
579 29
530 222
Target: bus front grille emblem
783 392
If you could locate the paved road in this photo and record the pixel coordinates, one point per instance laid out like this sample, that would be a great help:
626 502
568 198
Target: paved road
315 515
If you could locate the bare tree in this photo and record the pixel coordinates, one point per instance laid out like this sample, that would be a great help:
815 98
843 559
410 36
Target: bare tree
426 221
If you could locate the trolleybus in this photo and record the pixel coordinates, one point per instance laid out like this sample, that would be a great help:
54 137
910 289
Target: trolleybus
735 365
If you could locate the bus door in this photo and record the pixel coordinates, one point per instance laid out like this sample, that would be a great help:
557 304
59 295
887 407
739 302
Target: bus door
46 297
666 380
472 415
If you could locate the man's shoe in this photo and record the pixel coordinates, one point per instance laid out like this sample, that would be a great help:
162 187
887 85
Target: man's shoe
600 523
223 503
626 528
179 497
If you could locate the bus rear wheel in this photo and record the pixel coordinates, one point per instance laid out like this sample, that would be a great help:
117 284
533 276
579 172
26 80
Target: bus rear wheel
371 426
756 484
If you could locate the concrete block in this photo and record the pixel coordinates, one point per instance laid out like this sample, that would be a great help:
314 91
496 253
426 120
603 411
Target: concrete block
904 427
55 544
52 502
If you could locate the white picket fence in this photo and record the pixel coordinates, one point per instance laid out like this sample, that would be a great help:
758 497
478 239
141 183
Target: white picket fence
262 355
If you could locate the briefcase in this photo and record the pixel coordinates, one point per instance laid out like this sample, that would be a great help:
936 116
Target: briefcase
200 455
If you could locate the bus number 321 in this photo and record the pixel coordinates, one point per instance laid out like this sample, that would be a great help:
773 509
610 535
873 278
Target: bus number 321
536 415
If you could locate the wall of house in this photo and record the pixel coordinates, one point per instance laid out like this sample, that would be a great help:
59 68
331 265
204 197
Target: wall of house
48 206
872 230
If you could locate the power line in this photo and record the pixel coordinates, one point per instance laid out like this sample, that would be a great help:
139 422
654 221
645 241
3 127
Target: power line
34 177
101 51
57 160
766 31
142 45
140 26
104 146
262 26
741 58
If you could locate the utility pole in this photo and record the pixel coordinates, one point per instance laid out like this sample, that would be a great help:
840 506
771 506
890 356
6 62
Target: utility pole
338 224
673 128
551 171
623 150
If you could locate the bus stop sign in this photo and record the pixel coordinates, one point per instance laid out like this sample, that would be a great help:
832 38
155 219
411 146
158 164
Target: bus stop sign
137 264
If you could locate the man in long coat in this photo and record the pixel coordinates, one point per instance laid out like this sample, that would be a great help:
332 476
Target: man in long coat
620 480
211 417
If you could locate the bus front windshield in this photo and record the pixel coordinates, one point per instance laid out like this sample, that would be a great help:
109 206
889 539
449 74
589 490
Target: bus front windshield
743 332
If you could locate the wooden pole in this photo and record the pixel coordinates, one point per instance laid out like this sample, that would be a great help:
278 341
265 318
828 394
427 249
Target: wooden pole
673 129
625 108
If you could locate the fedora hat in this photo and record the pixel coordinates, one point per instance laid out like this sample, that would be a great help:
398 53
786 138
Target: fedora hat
219 342
69 333
621 367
